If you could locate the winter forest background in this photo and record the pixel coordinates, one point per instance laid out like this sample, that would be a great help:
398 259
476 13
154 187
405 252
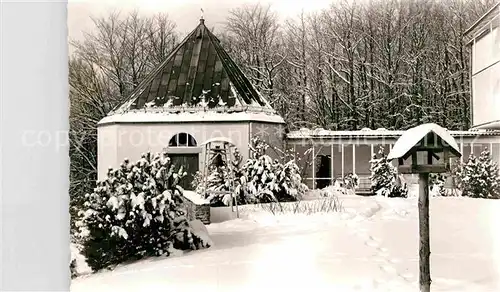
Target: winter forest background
387 63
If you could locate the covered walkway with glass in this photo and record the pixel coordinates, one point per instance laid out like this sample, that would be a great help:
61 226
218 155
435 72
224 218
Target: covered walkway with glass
325 156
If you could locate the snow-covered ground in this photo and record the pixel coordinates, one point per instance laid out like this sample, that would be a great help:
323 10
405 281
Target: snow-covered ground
371 246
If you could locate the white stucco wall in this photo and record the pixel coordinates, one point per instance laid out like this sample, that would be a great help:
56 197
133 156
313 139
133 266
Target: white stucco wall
106 149
131 140
486 50
486 78
486 95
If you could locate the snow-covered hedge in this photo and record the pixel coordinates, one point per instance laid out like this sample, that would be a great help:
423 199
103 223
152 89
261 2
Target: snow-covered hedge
136 212
384 177
479 177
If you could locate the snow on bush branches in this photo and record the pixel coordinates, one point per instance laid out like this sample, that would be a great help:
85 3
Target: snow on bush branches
479 177
384 177
266 180
219 179
259 180
136 212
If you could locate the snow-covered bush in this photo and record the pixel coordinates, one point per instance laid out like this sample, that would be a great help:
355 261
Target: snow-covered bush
260 179
266 180
136 212
72 268
350 181
218 179
384 177
335 190
342 186
77 265
436 184
479 177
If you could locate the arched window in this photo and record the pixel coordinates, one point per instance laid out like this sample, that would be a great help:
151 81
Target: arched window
182 140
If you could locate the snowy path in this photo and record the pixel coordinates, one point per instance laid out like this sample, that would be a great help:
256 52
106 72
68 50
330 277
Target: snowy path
374 247
464 242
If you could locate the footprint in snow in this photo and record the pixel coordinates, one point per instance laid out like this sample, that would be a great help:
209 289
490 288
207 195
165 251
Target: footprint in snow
372 242
381 259
407 276
388 269
382 253
377 283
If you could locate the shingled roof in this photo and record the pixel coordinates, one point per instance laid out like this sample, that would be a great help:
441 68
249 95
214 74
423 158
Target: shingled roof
197 73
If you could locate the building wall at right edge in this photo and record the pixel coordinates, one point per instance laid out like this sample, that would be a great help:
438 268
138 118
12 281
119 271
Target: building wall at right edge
485 75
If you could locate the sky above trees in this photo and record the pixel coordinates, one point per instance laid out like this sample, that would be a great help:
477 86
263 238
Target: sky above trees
184 13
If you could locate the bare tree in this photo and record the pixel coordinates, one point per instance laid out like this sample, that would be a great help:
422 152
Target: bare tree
391 64
253 37
293 83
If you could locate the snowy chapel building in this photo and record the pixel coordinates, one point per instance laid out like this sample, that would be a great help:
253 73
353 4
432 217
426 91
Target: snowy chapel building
199 93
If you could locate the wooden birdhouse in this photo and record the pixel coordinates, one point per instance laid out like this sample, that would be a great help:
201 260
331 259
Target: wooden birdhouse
427 148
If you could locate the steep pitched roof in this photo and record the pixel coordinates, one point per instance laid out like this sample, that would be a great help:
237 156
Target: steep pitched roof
198 73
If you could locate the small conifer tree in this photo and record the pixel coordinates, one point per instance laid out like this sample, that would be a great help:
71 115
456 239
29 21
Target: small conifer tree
384 177
479 177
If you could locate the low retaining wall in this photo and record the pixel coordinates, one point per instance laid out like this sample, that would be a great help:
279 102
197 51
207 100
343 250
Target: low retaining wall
197 211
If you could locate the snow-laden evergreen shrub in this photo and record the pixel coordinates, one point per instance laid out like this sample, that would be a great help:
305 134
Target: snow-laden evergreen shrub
136 212
436 184
266 180
479 177
351 181
260 179
218 180
384 177
72 268
334 190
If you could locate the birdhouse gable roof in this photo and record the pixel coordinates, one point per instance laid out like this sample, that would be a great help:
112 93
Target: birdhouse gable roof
413 136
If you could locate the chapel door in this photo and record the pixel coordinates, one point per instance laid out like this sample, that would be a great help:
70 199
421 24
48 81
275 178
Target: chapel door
189 163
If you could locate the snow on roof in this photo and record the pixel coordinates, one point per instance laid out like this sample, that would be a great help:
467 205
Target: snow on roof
488 126
412 136
202 116
305 133
198 70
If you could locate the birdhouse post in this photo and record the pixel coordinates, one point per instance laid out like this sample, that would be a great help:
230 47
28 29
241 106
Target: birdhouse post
422 150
